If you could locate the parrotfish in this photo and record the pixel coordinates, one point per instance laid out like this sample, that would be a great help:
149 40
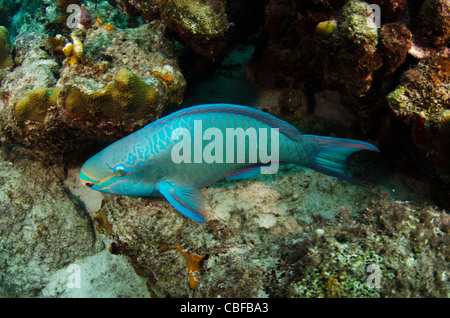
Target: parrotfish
177 155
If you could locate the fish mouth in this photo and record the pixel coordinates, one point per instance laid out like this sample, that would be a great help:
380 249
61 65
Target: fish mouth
89 182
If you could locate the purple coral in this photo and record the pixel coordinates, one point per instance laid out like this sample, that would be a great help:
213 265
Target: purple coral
84 22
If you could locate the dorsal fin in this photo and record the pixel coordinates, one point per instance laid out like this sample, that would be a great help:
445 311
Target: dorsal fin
251 112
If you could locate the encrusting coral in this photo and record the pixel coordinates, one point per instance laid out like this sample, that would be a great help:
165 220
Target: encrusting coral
42 229
5 48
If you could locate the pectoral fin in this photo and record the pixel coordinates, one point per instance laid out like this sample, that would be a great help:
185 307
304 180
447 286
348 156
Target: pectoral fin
186 200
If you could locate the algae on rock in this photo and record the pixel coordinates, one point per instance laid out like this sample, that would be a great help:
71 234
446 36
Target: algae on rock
42 228
422 103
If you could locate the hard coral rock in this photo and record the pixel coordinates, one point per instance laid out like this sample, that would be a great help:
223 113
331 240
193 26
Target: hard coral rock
42 228
290 33
350 57
422 103
393 249
36 69
395 43
392 10
142 51
203 25
247 256
252 227
434 24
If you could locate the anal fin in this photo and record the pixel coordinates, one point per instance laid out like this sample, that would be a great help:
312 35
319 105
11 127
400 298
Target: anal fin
246 173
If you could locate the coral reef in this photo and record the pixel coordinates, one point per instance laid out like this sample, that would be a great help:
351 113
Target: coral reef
246 220
288 53
395 43
317 46
270 255
97 94
143 46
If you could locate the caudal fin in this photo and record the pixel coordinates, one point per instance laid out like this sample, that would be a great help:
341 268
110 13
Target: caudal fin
331 159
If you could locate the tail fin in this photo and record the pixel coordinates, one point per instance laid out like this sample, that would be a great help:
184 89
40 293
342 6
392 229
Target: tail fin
333 154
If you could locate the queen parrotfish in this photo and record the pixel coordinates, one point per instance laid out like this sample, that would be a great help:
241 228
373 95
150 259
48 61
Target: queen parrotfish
189 149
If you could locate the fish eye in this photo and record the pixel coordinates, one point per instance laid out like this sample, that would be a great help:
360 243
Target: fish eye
119 170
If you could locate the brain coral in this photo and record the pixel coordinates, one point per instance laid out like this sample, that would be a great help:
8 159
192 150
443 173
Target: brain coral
126 97
35 104
5 48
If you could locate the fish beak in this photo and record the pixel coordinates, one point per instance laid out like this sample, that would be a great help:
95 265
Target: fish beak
87 180
88 184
